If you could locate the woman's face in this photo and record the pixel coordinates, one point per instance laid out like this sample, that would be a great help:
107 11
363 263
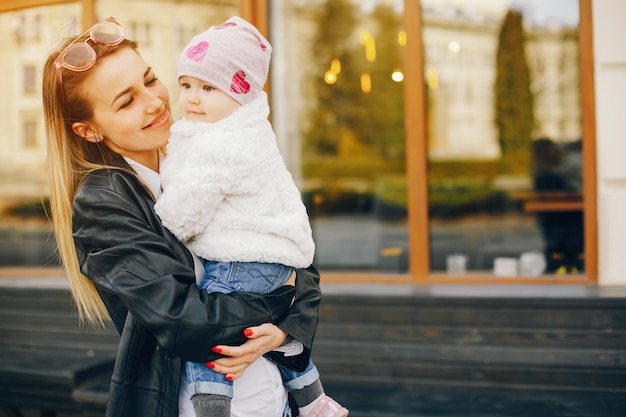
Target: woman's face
131 107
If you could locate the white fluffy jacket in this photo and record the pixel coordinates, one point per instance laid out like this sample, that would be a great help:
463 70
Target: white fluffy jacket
228 195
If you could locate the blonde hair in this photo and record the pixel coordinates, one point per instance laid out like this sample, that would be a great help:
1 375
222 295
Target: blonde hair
70 158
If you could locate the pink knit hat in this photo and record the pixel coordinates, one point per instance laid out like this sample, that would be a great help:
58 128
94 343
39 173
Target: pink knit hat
233 57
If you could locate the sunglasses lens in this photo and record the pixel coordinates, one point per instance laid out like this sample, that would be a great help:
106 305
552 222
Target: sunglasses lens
79 57
107 32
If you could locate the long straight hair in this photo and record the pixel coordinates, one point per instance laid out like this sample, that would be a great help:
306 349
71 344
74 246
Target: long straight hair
70 158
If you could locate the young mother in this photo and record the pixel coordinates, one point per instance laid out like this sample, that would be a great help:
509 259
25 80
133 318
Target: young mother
107 119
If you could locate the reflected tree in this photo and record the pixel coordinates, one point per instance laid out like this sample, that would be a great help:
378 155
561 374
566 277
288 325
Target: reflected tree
513 98
333 46
350 120
356 139
383 119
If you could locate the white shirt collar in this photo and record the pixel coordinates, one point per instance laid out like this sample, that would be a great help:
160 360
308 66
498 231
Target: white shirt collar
150 177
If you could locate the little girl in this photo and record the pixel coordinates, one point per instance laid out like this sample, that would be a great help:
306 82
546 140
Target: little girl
229 197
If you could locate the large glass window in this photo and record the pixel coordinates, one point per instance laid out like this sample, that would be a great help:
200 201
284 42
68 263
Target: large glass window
503 111
431 139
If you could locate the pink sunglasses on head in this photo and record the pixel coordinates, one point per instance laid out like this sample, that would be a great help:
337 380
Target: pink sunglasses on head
80 56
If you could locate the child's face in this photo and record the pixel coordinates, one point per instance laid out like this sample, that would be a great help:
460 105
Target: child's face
201 102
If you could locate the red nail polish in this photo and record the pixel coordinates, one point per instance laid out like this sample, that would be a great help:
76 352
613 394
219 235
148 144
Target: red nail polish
210 365
216 349
228 378
247 332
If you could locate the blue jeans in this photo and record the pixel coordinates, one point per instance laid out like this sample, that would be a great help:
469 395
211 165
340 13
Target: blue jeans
254 277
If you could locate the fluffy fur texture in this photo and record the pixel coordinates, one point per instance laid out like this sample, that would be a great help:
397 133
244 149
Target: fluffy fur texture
228 195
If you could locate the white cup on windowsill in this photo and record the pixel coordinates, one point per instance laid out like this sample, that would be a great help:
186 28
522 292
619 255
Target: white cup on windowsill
505 267
532 264
456 264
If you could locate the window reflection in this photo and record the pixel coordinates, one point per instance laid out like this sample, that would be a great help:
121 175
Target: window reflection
338 109
503 77
557 181
337 105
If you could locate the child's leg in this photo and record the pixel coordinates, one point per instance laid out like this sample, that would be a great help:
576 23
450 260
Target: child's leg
305 387
308 393
211 394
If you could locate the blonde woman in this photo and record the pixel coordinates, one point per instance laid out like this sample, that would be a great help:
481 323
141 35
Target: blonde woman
107 119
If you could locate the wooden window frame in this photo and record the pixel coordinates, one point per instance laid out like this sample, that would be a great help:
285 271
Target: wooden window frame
417 161
417 170
256 11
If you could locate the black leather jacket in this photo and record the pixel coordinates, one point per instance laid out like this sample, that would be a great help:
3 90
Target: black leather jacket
146 280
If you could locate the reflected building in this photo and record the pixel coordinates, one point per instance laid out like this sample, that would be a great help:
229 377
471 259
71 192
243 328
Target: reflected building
554 61
460 51
460 72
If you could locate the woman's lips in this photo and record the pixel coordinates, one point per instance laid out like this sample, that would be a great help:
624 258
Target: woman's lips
159 120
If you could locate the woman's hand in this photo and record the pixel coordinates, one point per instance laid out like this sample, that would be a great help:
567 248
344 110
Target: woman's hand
261 339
